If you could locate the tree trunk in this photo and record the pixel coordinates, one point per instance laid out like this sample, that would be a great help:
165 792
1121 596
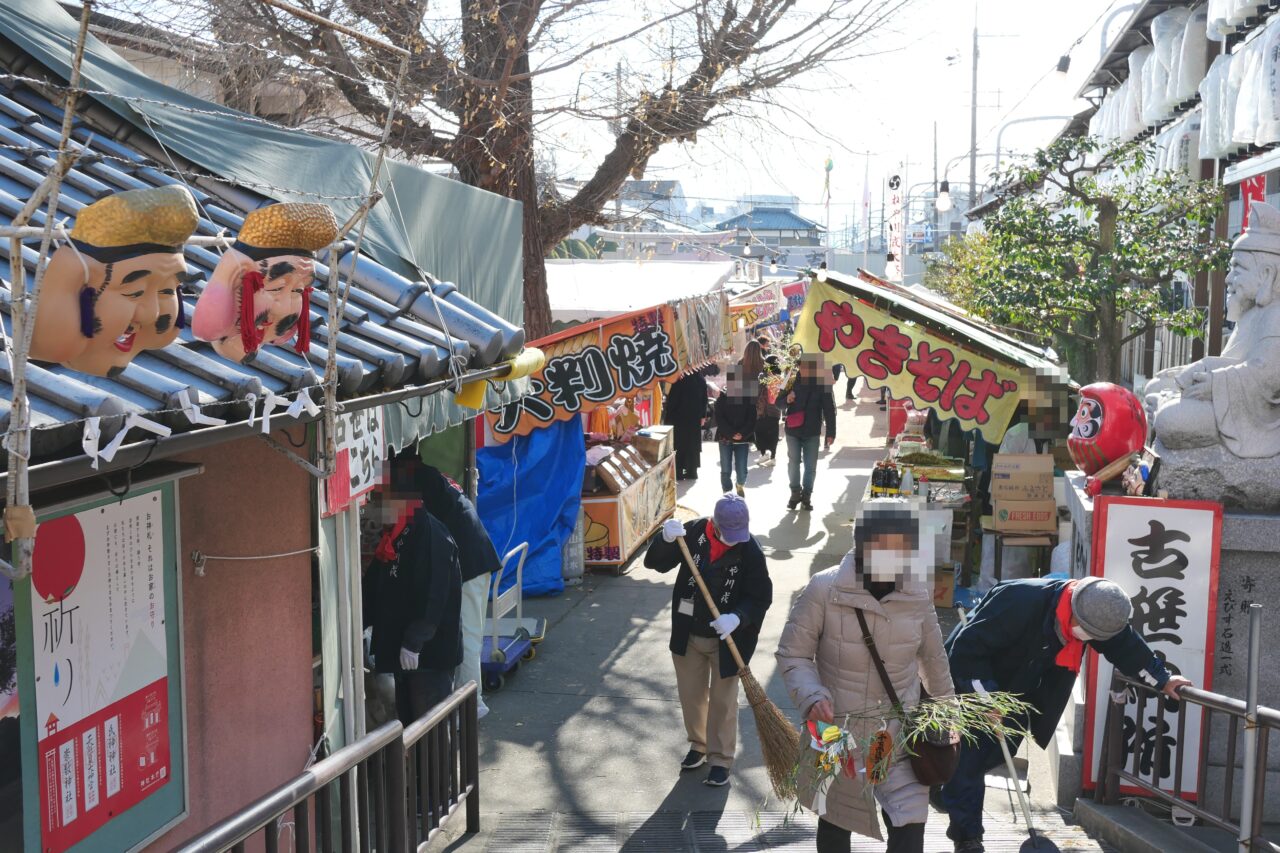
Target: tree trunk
1110 329
494 148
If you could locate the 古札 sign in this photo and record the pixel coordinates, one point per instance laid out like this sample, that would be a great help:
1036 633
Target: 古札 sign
1164 554
912 363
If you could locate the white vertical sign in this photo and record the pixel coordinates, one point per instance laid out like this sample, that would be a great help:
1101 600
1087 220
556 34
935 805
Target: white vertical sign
1164 554
895 267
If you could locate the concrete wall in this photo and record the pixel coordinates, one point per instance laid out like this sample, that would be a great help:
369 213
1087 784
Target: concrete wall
246 628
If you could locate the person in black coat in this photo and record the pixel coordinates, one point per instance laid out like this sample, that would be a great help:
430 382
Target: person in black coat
412 594
734 569
735 427
1028 637
447 501
684 410
810 406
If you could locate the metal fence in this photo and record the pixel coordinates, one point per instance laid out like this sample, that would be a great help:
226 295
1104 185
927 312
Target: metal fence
390 791
443 770
1246 728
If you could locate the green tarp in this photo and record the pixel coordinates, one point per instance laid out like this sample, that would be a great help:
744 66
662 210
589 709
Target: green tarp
455 232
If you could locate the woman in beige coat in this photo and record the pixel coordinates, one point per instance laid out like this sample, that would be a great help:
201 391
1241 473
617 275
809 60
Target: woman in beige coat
828 670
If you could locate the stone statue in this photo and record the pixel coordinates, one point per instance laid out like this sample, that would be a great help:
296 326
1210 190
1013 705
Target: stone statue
1216 419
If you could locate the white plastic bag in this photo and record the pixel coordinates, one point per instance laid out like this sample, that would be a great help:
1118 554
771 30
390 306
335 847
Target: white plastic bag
1166 34
1132 121
1268 89
1192 59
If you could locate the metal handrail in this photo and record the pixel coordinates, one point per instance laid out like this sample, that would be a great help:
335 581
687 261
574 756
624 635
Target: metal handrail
268 808
1114 764
442 766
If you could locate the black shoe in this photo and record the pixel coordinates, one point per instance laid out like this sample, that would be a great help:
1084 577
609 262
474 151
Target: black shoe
935 798
805 503
795 499
972 845
717 777
693 760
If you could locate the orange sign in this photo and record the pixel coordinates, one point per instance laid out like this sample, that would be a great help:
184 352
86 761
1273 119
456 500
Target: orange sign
625 356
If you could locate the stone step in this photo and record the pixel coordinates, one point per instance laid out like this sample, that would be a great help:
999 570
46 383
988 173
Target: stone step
1131 830
734 831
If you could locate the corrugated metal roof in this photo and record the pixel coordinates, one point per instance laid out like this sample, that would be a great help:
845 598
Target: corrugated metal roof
395 333
770 219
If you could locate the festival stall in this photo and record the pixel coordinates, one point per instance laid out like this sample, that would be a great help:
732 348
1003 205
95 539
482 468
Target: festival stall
959 383
604 377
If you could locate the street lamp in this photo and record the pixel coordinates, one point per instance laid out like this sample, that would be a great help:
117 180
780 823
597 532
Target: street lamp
943 202
1000 133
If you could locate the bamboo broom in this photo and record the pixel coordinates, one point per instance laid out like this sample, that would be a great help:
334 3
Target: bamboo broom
779 739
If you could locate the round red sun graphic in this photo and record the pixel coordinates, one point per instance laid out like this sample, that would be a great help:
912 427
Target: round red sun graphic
58 559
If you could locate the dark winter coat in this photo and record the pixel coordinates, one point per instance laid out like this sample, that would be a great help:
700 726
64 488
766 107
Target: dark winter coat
686 403
815 400
739 582
735 416
1010 641
414 601
445 499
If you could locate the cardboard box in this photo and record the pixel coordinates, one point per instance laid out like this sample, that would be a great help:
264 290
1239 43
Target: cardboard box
1026 516
614 475
654 443
944 588
1022 477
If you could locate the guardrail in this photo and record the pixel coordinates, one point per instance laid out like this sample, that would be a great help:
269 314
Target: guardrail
1239 717
442 751
391 791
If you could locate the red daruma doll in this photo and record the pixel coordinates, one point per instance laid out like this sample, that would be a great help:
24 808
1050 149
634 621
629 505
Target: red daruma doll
1109 425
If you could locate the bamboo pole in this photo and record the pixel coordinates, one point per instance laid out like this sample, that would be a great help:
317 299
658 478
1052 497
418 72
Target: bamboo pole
19 518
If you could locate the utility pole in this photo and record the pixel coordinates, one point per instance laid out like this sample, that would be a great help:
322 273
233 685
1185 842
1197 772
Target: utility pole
973 118
933 208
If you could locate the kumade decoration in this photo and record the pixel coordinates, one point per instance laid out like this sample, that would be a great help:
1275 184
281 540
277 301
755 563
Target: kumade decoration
260 291
1109 425
112 291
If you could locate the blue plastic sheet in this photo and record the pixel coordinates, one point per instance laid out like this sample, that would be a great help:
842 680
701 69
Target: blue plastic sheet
530 490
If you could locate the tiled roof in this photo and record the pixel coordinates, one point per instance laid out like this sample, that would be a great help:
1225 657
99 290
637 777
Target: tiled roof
391 336
769 219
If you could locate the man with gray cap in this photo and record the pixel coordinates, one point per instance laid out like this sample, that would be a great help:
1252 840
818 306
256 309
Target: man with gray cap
734 569
1029 637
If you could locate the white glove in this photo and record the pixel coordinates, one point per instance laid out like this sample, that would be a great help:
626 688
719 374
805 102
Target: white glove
672 529
408 660
726 624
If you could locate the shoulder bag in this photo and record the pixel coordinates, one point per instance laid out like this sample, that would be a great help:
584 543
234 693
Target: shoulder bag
934 755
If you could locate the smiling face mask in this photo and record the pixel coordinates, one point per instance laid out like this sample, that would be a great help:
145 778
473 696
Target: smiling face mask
113 292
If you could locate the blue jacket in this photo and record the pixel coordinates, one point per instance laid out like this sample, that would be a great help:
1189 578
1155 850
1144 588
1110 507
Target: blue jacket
1010 641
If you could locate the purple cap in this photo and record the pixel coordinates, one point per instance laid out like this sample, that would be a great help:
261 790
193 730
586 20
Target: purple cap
732 519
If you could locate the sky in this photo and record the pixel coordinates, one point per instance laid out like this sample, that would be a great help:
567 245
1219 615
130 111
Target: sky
877 114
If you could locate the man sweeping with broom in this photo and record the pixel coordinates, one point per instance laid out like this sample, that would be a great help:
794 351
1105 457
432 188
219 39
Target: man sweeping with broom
718 604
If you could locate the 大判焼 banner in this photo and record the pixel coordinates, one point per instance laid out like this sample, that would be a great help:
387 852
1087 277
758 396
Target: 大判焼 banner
914 364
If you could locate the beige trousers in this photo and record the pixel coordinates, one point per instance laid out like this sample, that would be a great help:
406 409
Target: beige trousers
709 702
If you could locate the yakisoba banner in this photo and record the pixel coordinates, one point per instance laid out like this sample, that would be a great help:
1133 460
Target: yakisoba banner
608 359
912 363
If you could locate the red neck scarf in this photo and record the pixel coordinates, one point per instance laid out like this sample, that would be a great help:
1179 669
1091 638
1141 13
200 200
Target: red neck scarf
386 550
1072 646
713 539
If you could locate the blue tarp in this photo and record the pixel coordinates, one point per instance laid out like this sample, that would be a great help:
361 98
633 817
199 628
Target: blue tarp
531 490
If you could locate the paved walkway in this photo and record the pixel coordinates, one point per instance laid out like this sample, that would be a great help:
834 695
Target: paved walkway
581 748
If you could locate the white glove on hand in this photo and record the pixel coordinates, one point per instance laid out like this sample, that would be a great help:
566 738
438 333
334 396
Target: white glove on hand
408 660
672 529
726 624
